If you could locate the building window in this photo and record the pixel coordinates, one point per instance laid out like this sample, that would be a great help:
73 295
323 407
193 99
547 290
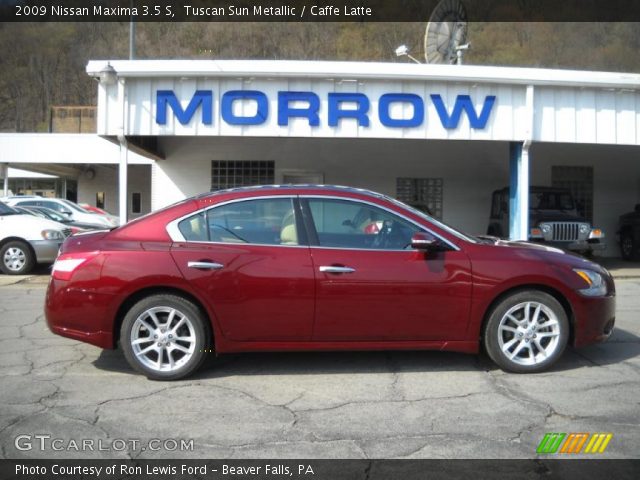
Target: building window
579 180
100 199
231 174
136 203
425 194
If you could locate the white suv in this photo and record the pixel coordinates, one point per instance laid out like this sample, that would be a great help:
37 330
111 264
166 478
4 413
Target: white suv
26 240
65 207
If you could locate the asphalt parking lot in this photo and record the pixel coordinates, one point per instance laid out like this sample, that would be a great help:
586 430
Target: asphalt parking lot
307 405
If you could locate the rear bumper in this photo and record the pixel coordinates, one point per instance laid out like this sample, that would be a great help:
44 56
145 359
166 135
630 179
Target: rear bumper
594 320
80 314
46 250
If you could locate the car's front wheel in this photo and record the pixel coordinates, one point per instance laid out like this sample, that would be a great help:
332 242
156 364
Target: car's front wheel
165 337
16 258
526 332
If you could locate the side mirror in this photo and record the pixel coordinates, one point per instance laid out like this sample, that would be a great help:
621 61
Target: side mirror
67 213
423 241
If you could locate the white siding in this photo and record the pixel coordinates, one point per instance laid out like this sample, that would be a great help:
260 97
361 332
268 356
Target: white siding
586 115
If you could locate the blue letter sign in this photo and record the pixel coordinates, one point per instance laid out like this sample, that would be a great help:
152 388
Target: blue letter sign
308 107
285 111
201 97
389 98
226 109
463 102
359 113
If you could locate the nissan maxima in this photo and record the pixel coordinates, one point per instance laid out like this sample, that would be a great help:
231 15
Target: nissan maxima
294 268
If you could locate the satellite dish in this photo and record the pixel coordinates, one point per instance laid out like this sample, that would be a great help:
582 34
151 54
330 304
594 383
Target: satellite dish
446 35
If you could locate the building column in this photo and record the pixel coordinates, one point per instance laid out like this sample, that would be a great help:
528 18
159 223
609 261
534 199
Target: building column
124 155
4 169
123 166
519 191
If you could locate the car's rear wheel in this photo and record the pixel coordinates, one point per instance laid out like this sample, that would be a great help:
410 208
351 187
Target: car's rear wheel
165 337
16 258
526 332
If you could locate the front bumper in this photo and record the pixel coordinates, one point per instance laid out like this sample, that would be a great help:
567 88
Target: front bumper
576 246
594 319
46 250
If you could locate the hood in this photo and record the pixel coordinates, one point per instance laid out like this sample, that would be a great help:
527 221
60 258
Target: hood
30 221
538 216
545 253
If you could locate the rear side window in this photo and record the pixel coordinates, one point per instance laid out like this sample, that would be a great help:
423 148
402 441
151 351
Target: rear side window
194 228
28 203
264 221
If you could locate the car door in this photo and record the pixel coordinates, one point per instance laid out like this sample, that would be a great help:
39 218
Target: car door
251 262
371 286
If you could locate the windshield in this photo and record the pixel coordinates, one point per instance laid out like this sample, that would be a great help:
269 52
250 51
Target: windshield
550 201
75 207
7 210
437 223
52 214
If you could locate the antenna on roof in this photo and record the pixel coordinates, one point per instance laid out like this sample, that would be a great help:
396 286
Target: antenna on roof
445 38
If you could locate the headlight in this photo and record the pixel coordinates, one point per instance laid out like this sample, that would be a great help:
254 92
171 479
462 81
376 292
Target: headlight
52 235
596 284
535 232
584 228
545 227
596 233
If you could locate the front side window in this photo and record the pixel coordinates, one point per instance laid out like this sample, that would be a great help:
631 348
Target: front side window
350 224
264 221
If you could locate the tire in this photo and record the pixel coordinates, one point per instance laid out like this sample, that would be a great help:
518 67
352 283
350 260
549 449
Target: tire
16 258
148 356
539 345
628 247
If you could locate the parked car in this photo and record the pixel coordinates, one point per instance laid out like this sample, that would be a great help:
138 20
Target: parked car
65 207
47 213
303 268
553 220
629 234
26 240
100 211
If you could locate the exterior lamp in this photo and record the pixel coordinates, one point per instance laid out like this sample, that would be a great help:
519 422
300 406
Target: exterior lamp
108 75
403 50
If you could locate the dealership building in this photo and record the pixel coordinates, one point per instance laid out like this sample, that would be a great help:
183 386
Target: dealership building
441 137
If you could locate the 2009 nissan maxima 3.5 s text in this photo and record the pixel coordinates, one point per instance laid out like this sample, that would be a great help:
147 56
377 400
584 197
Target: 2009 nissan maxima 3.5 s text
319 268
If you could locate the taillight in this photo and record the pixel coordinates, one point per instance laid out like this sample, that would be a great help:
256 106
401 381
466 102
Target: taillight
67 263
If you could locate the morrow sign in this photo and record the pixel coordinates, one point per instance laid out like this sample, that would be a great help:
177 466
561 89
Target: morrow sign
306 105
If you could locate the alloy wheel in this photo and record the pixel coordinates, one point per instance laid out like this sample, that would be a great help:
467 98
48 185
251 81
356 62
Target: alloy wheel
163 339
529 333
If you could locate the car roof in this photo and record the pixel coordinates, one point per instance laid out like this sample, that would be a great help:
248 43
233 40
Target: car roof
291 188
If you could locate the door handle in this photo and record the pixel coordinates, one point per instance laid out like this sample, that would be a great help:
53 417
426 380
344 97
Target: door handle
205 265
336 269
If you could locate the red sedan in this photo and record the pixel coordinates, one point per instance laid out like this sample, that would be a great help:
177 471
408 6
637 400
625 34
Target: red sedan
319 268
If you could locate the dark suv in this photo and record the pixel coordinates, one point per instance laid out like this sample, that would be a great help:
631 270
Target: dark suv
629 234
553 219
